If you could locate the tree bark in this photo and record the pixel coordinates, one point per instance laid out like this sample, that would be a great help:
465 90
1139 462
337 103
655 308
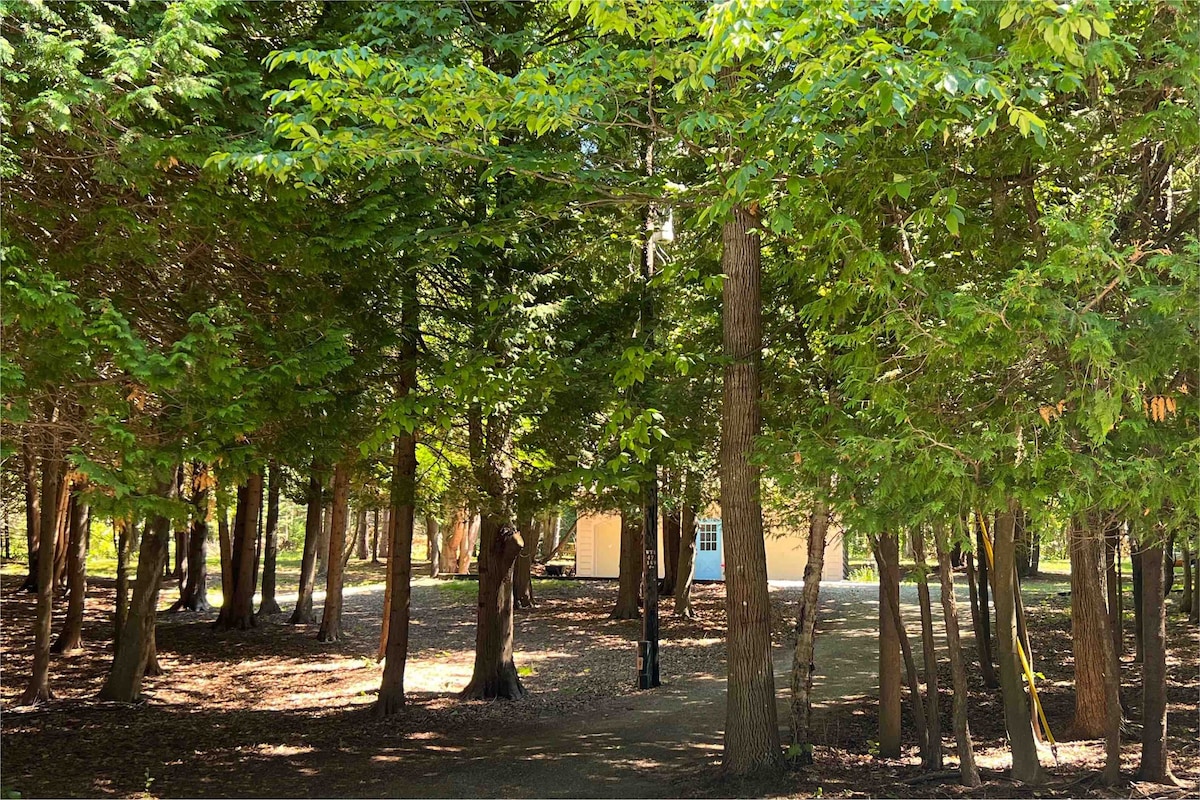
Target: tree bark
137 649
1188 596
269 605
890 604
1169 565
323 550
33 511
303 613
495 673
806 627
126 534
225 546
968 773
1025 766
933 757
522 571
473 538
1155 765
629 579
1088 616
239 612
887 560
549 545
984 635
70 639
751 726
1135 568
375 539
672 524
452 542
331 614
433 544
1112 557
194 594
687 558
54 492
360 534
62 534
395 641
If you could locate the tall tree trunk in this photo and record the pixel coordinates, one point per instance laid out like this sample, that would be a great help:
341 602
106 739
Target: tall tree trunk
1112 559
890 604
523 571
225 547
806 627
629 579
360 534
268 604
239 613
54 491
986 651
303 613
968 773
1169 565
62 534
549 544
331 614
887 560
70 640
194 594
1189 589
1155 766
404 478
375 540
1022 545
33 511
323 550
1136 563
1087 628
687 554
126 535
933 757
433 544
1025 766
452 541
473 538
137 650
1113 715
672 523
751 726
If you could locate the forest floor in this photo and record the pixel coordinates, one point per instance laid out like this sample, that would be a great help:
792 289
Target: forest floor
271 712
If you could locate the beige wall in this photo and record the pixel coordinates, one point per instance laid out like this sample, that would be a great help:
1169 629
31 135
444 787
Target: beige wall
598 550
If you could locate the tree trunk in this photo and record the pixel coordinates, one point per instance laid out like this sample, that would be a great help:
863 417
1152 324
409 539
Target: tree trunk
62 535
1087 628
126 535
629 580
672 523
890 604
239 612
1155 766
1112 706
549 545
887 560
323 542
1025 766
751 727
375 539
933 758
473 537
523 570
495 673
452 541
360 535
1135 568
968 773
433 544
1023 550
268 604
1112 558
331 614
687 558
984 635
1188 596
395 640
225 549
70 640
1169 565
137 651
54 491
194 594
33 512
806 626
303 613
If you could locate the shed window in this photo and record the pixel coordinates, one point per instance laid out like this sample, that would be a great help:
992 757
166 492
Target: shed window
708 536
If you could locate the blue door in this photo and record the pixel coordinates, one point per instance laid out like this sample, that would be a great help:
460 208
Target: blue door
710 559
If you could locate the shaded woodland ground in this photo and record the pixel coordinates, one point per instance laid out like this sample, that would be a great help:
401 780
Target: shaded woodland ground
273 712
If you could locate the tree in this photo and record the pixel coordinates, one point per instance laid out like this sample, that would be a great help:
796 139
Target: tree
967 770
1088 628
268 604
331 615
806 623
70 640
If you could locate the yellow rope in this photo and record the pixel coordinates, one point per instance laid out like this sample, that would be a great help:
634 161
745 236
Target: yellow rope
1037 701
